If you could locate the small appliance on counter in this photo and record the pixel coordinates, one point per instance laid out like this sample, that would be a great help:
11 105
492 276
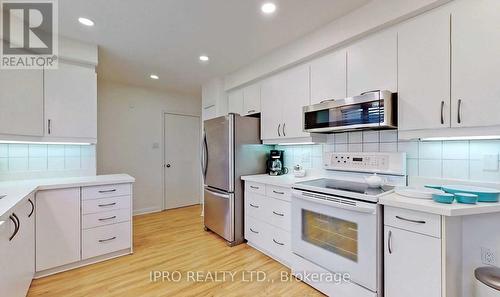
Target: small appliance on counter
299 171
276 164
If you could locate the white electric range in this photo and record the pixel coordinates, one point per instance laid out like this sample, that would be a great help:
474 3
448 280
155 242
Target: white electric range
337 222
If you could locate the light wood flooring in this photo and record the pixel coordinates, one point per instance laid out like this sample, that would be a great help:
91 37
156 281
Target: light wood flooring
172 241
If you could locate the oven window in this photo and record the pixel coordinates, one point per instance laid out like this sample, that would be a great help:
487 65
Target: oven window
332 234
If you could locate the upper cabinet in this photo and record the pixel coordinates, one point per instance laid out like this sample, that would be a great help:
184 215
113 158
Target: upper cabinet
329 77
424 71
21 102
235 102
71 102
475 99
372 64
251 99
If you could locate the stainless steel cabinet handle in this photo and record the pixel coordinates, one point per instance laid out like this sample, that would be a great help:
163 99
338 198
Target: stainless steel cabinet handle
32 208
410 220
49 127
284 133
107 191
14 219
256 232
254 187
389 242
254 206
459 115
109 239
279 193
279 126
109 204
442 112
277 242
279 214
107 219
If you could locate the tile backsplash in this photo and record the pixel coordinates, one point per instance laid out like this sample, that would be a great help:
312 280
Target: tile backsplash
437 159
20 161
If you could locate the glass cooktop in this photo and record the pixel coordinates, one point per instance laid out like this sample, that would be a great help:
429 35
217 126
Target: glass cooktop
343 185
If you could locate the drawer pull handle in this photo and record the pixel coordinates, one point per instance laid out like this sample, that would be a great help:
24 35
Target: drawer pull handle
107 191
389 242
250 111
277 242
279 193
107 219
106 240
279 214
254 187
256 232
105 205
254 206
410 220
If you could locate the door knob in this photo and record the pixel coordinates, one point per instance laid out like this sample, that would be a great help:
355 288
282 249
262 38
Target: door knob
168 165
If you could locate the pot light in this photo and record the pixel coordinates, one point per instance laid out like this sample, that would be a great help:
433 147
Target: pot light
204 58
86 22
268 8
154 76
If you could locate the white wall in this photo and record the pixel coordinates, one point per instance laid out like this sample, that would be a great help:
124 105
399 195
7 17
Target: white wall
130 121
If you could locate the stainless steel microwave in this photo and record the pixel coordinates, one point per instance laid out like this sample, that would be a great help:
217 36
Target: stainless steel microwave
375 110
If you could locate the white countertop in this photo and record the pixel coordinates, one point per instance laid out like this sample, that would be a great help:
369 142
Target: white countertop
17 190
286 180
429 206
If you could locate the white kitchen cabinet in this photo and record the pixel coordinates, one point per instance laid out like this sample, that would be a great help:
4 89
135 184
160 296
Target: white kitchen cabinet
329 77
57 228
21 102
71 102
475 99
271 116
424 71
18 254
372 63
251 99
235 102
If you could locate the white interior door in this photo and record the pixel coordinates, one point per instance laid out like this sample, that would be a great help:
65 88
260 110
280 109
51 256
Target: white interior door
182 161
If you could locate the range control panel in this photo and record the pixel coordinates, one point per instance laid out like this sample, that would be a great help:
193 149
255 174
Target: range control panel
390 163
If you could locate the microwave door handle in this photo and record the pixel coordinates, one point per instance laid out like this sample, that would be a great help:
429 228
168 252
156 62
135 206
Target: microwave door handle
357 208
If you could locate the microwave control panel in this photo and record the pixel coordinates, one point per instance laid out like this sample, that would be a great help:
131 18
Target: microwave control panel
390 163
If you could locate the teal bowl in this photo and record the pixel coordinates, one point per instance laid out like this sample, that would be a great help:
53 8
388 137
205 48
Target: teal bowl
466 198
434 187
484 194
443 198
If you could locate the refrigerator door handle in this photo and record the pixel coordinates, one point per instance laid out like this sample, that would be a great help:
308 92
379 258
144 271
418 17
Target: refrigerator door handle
218 194
204 156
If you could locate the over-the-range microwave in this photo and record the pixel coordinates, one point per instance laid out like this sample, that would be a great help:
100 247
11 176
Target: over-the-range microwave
375 110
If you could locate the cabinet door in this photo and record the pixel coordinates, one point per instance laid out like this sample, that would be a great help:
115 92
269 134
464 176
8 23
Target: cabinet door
21 102
329 77
251 101
412 264
272 108
71 101
476 66
235 102
57 228
372 64
424 71
294 96
25 245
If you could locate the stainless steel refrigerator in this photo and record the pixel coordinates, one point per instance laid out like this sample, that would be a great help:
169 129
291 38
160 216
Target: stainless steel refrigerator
231 148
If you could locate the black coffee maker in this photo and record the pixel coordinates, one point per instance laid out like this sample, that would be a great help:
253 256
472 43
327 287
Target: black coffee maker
276 164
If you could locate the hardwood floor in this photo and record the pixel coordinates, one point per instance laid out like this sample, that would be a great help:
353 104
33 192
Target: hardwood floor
174 241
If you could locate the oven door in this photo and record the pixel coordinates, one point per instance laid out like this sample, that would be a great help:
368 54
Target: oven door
339 234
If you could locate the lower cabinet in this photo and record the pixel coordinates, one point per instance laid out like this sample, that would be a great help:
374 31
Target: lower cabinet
412 260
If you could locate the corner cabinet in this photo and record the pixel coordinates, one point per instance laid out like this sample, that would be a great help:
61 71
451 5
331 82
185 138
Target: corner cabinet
71 102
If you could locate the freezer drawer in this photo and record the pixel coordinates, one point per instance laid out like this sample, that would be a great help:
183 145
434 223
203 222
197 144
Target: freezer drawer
219 215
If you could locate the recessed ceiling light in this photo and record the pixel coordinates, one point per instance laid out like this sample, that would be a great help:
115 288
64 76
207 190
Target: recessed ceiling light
204 58
154 76
268 8
86 22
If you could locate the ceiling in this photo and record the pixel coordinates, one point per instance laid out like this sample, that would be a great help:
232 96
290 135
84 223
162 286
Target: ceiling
166 37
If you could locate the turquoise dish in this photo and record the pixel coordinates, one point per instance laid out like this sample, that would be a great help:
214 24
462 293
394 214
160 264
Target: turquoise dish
434 187
484 194
443 198
466 198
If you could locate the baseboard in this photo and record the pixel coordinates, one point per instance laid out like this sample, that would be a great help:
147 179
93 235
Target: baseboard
142 211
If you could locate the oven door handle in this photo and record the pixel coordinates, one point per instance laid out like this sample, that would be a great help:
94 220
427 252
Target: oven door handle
357 208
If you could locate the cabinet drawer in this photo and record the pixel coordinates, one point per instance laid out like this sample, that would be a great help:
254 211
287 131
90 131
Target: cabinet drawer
106 239
105 218
254 231
278 213
104 191
278 192
415 221
278 242
255 188
255 205
106 204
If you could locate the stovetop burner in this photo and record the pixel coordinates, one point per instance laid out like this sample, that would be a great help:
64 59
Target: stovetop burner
346 186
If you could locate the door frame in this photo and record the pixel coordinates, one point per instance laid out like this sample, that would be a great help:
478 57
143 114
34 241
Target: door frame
163 146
